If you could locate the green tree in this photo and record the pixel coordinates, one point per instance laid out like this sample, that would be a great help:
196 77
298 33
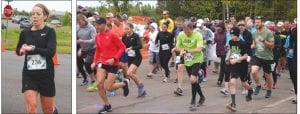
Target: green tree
66 20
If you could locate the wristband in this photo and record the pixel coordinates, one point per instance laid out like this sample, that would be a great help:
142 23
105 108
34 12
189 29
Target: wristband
33 47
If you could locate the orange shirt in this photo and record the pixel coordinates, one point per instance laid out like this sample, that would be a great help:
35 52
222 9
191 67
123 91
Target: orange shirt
119 30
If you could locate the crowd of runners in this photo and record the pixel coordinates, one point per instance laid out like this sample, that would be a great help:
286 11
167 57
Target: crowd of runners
109 53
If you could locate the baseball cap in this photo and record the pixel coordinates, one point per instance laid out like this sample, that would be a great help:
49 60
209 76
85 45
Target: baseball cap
101 20
235 31
279 24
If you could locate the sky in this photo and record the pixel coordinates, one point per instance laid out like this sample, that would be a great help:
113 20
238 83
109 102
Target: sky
96 3
51 5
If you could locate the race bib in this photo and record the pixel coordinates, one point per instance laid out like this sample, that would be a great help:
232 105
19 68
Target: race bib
36 62
131 53
189 57
165 47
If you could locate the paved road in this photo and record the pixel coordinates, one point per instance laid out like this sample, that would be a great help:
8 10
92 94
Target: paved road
160 98
12 98
10 24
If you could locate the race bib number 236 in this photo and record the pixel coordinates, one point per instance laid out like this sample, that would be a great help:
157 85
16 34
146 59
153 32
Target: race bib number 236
36 62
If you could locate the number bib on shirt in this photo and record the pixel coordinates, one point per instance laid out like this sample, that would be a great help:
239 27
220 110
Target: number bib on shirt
165 47
36 62
131 53
189 57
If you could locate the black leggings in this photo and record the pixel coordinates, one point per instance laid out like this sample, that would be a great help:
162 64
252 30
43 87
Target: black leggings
292 64
80 67
164 58
222 68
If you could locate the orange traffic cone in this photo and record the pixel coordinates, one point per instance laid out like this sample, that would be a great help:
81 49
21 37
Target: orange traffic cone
2 46
55 59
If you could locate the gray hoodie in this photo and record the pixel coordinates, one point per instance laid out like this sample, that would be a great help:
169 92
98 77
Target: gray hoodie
87 34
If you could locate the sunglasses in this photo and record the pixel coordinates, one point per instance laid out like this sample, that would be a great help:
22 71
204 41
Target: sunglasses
259 17
164 14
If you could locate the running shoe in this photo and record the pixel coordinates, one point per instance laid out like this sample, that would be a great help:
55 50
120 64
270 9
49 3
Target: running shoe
150 75
244 92
257 89
193 103
141 90
84 82
179 92
201 101
120 76
125 88
111 93
92 87
204 79
268 94
105 108
165 80
249 95
231 107
224 92
176 80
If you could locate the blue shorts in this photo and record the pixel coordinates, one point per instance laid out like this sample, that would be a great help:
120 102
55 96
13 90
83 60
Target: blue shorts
124 58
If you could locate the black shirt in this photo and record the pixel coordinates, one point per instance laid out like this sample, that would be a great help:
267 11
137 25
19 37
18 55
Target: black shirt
238 47
133 41
165 38
44 41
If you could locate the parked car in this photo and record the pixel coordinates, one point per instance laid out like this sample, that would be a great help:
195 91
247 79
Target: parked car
3 26
56 23
25 24
17 19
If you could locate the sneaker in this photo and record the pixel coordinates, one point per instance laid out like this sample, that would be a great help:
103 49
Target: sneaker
215 71
192 104
204 79
249 95
55 111
150 75
111 93
244 92
201 101
224 91
141 90
257 89
176 80
179 92
120 76
92 87
268 94
165 80
172 64
106 108
231 107
125 88
84 82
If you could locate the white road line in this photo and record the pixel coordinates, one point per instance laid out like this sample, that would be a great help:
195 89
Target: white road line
279 102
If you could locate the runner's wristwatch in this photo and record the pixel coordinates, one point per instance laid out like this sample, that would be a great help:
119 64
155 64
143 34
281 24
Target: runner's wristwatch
33 47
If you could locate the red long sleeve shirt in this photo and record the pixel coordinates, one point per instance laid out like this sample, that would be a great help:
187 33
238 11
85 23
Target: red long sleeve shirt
108 46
